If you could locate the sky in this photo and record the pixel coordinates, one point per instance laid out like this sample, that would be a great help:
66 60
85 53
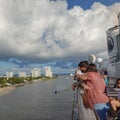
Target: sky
55 33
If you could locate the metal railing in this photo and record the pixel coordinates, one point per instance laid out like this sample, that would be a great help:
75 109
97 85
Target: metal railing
79 112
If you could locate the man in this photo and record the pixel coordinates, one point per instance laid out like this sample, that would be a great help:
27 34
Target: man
82 68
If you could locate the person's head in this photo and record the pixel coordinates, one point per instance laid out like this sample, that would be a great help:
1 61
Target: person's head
83 66
92 68
118 83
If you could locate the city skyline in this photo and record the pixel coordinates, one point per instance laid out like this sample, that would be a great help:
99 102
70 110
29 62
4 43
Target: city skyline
35 72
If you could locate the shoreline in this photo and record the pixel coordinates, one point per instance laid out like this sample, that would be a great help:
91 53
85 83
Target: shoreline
6 90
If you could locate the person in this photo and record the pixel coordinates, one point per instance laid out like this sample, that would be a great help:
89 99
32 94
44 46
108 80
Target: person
77 71
82 68
97 97
115 103
104 73
117 84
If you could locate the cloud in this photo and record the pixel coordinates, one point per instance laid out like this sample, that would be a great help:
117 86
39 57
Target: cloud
40 31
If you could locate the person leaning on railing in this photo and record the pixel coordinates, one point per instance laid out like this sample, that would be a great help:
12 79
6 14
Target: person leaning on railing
97 97
82 68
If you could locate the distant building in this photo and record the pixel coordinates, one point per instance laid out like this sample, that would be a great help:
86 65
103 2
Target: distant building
48 72
9 74
56 0
36 72
22 74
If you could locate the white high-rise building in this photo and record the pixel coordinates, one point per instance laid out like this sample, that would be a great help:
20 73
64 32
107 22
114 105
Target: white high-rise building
36 72
9 74
22 74
48 72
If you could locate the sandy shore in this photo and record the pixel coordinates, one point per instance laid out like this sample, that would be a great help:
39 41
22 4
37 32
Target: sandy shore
6 90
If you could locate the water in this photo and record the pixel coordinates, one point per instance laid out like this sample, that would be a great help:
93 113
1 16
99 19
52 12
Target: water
38 101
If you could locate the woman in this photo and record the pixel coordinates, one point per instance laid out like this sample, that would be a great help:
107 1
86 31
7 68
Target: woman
97 97
115 103
117 85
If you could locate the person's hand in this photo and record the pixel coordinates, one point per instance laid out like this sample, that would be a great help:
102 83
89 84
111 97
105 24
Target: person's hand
83 76
75 77
73 86
86 87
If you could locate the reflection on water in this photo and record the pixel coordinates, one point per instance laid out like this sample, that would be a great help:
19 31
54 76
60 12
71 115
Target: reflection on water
37 101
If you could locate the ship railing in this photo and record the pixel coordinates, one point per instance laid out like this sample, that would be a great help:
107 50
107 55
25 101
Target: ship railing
79 111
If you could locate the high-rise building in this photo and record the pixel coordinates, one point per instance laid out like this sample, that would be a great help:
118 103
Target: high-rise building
36 72
9 74
22 74
48 72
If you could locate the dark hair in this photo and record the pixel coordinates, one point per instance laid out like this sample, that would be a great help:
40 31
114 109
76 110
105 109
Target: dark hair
92 68
83 64
116 84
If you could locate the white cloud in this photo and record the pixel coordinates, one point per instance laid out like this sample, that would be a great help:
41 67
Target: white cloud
41 29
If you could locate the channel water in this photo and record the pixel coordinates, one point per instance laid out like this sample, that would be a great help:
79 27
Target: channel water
39 101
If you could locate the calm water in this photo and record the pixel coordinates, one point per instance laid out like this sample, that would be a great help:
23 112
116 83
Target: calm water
37 101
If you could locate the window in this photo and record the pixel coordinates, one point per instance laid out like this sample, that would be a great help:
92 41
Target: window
110 44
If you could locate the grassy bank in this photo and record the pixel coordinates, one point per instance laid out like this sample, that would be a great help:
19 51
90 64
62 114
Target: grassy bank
9 84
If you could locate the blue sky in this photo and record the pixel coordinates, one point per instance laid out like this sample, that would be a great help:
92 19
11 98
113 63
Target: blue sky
86 4
58 35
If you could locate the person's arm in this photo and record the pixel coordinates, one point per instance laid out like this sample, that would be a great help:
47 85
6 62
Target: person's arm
82 77
78 83
75 75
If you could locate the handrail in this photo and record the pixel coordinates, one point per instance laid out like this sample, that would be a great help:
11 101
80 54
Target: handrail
79 111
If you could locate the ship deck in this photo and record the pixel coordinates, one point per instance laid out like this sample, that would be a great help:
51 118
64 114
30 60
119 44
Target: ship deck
82 113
